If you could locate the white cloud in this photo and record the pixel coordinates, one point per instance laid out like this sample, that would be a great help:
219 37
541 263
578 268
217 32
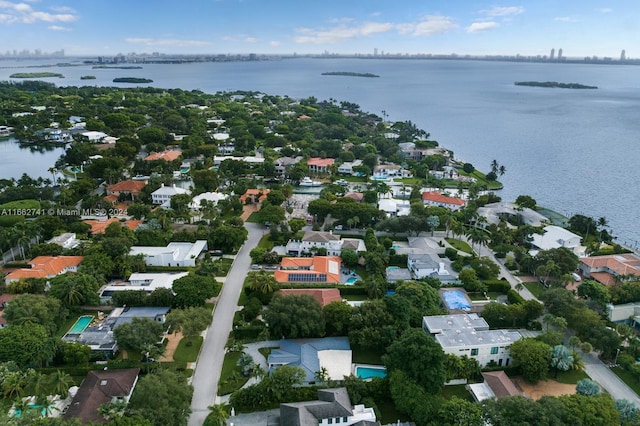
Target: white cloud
58 28
274 43
250 40
166 42
605 10
24 13
482 26
564 19
434 25
503 11
63 9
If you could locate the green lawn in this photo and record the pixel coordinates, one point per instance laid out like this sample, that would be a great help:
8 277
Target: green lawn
188 353
493 295
254 218
460 245
231 378
535 288
265 242
223 265
355 297
460 391
628 378
569 377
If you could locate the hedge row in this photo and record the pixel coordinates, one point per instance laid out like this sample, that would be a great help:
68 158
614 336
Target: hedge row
247 333
352 290
513 297
497 286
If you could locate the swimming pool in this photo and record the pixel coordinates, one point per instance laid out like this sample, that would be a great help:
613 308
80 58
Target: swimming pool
392 268
82 323
369 372
351 281
455 299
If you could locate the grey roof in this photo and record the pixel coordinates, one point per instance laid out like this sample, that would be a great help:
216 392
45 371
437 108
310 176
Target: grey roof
440 323
398 274
421 261
303 353
468 338
331 403
320 237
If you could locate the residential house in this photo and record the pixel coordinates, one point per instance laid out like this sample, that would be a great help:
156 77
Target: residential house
210 197
432 198
98 226
556 237
254 196
314 270
356 196
311 355
129 188
610 269
169 155
395 274
628 313
346 168
162 195
66 241
428 265
390 171
324 296
469 334
142 281
99 336
332 243
496 385
394 208
45 267
320 165
226 148
94 136
217 160
101 387
174 254
282 164
333 407
495 212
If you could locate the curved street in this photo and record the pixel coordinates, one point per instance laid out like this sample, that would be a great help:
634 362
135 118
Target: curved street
207 373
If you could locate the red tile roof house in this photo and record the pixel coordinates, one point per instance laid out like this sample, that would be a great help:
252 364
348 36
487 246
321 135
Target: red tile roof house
432 198
320 165
254 196
316 270
101 387
98 226
45 267
608 269
323 295
130 188
164 155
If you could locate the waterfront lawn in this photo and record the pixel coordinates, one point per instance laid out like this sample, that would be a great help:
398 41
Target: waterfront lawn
535 288
459 245
231 378
481 178
362 356
188 353
628 378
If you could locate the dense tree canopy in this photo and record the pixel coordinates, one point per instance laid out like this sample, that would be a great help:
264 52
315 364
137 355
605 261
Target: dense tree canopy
294 316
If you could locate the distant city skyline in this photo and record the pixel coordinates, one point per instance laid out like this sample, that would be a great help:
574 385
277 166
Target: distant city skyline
440 27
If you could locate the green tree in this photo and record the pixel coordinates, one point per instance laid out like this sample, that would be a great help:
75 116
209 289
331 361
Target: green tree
97 264
337 316
162 397
561 359
76 353
75 289
526 201
262 281
587 387
533 357
416 354
139 334
194 290
294 316
191 321
459 412
218 415
27 344
33 309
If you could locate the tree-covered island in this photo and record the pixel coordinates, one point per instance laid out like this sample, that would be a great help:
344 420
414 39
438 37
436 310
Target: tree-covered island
351 74
132 80
36 75
88 77
554 84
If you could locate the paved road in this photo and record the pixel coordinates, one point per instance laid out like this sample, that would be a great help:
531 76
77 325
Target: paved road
207 372
608 380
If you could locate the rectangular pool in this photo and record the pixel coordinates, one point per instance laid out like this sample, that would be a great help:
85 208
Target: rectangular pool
455 299
369 372
82 323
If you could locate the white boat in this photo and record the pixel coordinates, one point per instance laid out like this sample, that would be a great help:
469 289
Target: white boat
306 181
6 131
342 182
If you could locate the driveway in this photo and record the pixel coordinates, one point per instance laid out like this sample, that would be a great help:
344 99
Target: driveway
207 373
607 379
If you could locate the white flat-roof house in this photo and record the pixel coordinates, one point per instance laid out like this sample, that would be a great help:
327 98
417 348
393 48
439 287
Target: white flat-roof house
327 240
469 334
143 281
163 194
346 168
212 197
174 254
390 171
556 237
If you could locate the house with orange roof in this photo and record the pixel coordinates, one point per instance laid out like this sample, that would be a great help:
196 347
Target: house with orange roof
320 165
170 155
610 269
98 226
254 196
130 188
45 267
433 198
324 296
317 269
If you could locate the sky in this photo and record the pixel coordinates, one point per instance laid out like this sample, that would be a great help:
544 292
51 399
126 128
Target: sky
477 27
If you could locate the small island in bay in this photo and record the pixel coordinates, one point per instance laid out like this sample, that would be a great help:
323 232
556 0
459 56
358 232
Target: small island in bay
36 75
117 67
554 84
132 80
351 74
88 77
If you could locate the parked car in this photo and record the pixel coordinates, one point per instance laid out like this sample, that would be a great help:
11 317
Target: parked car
255 267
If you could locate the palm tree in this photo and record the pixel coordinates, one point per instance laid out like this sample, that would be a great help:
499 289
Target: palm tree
59 383
495 166
502 170
217 416
14 385
52 170
602 223
262 281
112 410
561 358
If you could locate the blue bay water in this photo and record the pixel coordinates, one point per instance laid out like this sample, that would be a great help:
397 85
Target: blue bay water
575 151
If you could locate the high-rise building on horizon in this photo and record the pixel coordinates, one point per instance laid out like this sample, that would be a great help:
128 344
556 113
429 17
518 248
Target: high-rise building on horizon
560 54
375 51
552 54
623 55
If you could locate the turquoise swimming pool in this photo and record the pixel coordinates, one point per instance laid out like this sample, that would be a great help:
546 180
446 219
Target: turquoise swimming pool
79 326
351 281
370 372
